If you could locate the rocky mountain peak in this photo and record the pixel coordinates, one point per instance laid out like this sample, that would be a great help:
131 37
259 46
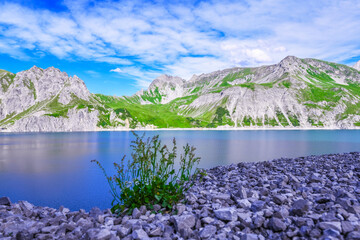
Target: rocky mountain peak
288 61
35 68
165 81
357 65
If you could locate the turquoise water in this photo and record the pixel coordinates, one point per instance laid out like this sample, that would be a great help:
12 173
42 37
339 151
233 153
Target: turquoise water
53 169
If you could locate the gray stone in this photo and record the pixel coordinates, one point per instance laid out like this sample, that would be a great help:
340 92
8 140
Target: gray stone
207 232
122 230
180 208
95 212
330 225
139 234
276 224
44 236
5 201
304 231
282 213
155 232
325 198
245 218
258 221
279 199
184 222
315 178
315 233
226 214
331 232
168 231
268 213
300 207
85 223
243 203
329 217
63 210
156 207
249 236
49 229
257 206
207 220
143 210
103 234
355 235
347 227
26 207
136 213
223 197
241 193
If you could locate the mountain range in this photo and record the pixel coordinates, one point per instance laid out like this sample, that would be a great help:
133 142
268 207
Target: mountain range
295 93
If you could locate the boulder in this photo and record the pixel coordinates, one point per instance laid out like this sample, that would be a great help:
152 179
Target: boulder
226 214
5 201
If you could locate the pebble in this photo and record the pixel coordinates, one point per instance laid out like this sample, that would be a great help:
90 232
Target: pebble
313 197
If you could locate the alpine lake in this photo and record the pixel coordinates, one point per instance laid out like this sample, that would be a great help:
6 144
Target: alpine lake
54 169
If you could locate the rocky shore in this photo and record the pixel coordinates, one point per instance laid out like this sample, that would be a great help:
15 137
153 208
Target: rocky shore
315 197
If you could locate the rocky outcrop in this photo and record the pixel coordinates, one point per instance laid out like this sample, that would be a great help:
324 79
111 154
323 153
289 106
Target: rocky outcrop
295 93
44 100
303 93
76 120
162 90
357 66
315 197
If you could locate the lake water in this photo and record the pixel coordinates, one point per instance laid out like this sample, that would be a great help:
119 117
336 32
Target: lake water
53 169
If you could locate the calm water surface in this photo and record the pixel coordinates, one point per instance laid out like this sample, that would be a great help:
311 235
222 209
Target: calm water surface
53 169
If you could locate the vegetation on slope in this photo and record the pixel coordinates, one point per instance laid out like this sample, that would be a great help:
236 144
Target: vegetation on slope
160 115
313 85
6 79
150 176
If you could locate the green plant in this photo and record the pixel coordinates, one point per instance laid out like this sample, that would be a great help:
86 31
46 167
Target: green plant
150 176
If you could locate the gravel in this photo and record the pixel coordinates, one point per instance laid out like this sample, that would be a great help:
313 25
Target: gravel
315 197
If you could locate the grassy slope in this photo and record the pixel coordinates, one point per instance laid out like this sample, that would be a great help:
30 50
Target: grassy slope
160 115
322 88
6 79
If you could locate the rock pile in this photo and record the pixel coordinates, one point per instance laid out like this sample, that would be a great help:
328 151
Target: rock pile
315 197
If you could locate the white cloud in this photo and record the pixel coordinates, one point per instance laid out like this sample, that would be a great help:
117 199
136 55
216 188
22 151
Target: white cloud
187 66
117 70
143 77
258 55
183 39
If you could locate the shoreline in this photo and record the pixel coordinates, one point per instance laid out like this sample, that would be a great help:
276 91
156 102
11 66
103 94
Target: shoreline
312 197
191 129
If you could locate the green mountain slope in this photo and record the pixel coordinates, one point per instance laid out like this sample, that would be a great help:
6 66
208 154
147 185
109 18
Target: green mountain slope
294 93
300 93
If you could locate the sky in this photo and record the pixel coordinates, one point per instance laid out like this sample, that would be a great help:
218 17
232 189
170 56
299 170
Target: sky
119 47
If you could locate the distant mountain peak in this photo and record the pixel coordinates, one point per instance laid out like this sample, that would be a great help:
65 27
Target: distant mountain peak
165 81
296 92
289 59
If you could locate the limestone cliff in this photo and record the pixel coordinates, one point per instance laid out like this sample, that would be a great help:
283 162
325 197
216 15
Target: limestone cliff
295 93
44 100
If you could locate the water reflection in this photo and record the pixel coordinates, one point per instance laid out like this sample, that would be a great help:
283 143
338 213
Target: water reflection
54 168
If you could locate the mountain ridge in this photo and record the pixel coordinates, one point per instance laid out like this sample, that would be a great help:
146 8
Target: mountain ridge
294 93
357 65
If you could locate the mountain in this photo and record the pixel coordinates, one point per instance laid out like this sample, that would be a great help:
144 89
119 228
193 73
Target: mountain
301 93
46 100
357 66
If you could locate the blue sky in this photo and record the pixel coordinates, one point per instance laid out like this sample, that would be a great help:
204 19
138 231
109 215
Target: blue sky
118 47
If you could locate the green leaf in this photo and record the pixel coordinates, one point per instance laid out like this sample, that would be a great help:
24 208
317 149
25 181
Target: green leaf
157 197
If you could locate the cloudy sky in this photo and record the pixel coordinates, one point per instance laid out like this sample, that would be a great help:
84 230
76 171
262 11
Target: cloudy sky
118 47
